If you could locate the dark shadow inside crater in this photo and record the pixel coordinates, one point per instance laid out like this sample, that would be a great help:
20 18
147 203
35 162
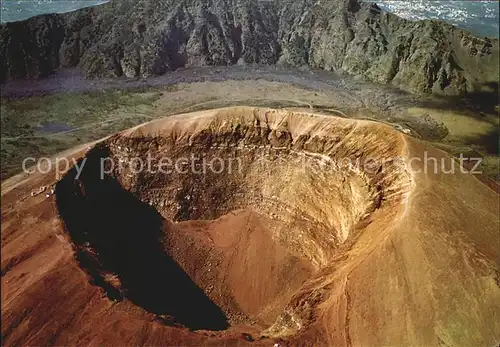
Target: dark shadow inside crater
116 234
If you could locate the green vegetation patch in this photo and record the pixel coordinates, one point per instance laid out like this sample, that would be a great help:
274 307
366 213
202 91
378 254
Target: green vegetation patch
45 125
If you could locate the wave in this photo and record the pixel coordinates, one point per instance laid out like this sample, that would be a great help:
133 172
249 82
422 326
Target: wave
480 17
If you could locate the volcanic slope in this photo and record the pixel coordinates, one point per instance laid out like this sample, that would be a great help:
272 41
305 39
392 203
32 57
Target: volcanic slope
289 228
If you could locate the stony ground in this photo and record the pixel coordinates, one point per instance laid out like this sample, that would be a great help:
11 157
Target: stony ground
271 254
143 38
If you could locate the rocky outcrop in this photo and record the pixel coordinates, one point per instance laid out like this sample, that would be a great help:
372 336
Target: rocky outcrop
31 48
135 38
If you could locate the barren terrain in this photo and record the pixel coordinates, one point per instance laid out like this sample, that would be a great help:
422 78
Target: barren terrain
301 245
268 173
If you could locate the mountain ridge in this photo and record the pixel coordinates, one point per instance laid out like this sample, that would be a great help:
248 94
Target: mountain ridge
150 37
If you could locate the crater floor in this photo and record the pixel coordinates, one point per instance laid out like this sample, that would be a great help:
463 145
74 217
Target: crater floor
219 220
247 225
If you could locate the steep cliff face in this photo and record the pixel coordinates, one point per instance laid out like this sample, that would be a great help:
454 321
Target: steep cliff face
30 48
151 37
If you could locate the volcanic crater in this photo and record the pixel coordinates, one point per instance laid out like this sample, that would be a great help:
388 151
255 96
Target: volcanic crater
243 228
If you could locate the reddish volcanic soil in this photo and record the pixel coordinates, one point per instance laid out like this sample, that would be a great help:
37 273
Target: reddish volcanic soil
311 231
240 263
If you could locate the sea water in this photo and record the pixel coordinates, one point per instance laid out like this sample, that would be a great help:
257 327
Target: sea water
15 10
479 17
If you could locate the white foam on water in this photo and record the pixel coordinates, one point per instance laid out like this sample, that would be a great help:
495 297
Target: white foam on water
479 17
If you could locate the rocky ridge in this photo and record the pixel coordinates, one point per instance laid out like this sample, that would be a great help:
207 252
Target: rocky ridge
143 38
